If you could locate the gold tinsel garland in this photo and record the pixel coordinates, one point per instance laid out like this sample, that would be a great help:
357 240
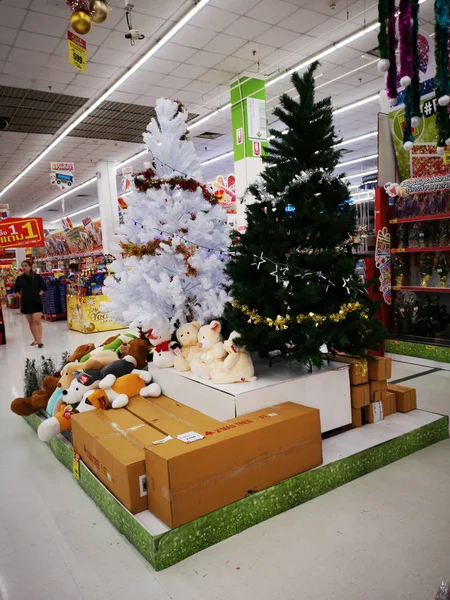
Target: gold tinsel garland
281 322
151 248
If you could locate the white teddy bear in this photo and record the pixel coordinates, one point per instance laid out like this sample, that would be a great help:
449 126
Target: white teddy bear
212 351
238 365
163 356
187 336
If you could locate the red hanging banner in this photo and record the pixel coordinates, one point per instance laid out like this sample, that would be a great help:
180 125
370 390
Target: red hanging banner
21 233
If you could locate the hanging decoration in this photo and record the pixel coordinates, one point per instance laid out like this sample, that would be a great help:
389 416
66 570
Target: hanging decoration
442 25
409 59
86 12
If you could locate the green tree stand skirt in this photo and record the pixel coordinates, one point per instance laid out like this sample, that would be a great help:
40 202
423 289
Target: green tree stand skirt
167 549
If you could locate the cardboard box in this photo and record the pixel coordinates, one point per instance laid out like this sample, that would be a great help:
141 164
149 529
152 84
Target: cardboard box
374 412
170 417
405 397
111 444
357 417
390 403
358 369
380 369
360 395
377 386
243 456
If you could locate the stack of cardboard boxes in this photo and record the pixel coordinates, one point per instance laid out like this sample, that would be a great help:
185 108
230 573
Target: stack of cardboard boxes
180 464
373 399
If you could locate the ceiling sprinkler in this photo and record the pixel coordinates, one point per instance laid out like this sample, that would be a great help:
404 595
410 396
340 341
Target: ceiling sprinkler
332 4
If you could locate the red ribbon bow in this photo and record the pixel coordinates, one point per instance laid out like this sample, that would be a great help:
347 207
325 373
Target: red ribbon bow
162 347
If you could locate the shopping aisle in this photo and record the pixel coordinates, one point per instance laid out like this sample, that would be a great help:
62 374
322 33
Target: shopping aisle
384 536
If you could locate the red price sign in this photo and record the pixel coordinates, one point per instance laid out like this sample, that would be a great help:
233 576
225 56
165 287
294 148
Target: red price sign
21 233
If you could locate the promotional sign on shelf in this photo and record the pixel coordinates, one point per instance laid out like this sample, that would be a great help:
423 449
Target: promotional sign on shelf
77 51
66 224
21 233
62 174
383 263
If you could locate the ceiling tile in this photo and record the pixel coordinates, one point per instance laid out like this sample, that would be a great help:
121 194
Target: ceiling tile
147 25
176 52
83 92
333 30
175 83
45 24
214 19
123 97
235 65
247 28
224 44
19 55
277 37
237 6
11 15
155 8
34 41
189 71
303 20
5 50
98 70
200 87
110 57
247 51
160 65
204 59
193 37
216 76
117 41
271 11
84 80
7 35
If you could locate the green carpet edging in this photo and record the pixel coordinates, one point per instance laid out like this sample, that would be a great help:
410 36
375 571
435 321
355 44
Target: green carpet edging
429 352
167 549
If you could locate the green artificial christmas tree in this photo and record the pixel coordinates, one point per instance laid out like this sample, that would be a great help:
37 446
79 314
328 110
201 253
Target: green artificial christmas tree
293 277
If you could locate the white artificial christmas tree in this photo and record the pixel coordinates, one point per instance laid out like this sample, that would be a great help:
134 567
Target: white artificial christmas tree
172 246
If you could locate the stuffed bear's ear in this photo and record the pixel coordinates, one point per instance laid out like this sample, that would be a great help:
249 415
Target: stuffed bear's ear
216 326
196 324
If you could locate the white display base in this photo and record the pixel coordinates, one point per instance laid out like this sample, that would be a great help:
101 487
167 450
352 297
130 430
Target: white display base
327 389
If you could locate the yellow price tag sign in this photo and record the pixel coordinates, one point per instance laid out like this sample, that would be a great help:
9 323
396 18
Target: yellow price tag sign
400 250
76 465
393 221
430 347
447 157
77 51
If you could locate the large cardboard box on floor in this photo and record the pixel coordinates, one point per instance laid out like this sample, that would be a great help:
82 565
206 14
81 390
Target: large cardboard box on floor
191 478
405 397
111 444
170 417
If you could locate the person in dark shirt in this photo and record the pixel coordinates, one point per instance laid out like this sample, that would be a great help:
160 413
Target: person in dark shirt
30 287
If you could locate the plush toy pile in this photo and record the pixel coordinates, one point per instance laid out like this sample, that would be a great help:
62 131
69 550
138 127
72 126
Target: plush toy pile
91 378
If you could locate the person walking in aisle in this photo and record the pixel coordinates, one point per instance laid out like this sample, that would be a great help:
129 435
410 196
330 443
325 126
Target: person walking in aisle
30 287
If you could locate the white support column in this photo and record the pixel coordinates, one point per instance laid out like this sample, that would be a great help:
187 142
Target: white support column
107 197
20 256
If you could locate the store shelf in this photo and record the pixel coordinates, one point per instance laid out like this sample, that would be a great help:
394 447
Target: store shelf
419 219
412 288
432 249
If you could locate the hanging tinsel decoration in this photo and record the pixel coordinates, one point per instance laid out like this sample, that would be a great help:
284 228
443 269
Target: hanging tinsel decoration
392 44
416 114
405 34
383 47
442 25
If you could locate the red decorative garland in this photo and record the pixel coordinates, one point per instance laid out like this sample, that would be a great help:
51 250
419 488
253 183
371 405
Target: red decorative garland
146 181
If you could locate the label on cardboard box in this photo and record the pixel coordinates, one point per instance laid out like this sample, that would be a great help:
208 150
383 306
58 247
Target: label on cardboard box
163 441
190 436
377 411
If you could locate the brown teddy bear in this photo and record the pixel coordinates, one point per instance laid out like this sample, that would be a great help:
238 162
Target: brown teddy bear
24 407
138 349
79 352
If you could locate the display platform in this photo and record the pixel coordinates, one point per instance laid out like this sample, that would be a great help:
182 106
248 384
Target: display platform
327 389
345 457
426 351
84 314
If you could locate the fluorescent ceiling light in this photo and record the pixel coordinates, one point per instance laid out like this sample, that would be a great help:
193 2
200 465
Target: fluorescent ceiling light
213 160
363 174
86 112
357 160
359 138
356 104
128 160
75 189
74 214
366 193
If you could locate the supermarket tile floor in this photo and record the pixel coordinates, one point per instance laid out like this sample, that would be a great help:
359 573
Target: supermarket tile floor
384 536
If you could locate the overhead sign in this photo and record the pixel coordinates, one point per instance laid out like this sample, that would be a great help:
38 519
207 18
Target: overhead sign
62 167
77 51
21 233
256 119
